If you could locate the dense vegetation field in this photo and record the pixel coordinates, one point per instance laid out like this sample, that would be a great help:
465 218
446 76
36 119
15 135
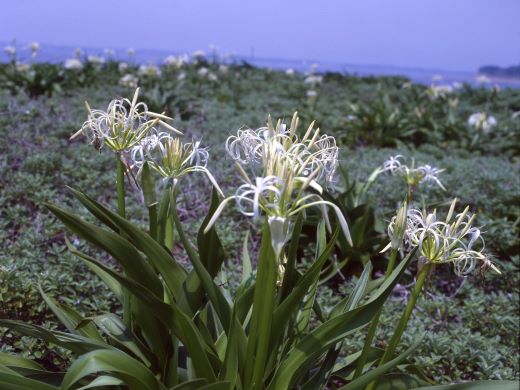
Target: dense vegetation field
470 324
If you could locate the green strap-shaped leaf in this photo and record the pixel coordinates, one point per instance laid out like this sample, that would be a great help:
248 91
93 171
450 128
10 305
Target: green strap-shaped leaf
103 380
333 331
376 373
15 361
172 273
133 263
217 386
193 384
134 374
10 381
477 385
170 315
115 329
75 343
70 318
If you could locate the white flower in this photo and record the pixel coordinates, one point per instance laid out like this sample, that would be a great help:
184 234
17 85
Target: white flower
10 51
96 60
202 72
78 52
223 68
482 79
279 229
438 91
149 71
22 67
181 76
198 54
456 242
123 125
129 81
288 171
212 76
109 53
482 121
175 61
289 72
313 79
122 67
413 176
34 47
73 63
130 52
311 93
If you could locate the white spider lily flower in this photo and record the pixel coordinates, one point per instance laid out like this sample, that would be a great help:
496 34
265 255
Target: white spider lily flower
313 79
202 72
482 79
223 68
439 91
10 51
198 55
172 159
129 80
482 122
149 71
122 67
73 64
96 60
175 61
34 47
123 125
311 93
289 171
22 67
212 76
413 176
440 242
289 72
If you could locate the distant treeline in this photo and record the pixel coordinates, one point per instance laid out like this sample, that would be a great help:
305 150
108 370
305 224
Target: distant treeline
497 71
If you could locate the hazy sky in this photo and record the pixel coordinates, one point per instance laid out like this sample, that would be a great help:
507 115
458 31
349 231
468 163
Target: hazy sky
443 34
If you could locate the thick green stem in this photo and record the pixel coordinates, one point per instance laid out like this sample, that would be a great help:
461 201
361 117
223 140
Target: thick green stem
401 326
120 186
375 321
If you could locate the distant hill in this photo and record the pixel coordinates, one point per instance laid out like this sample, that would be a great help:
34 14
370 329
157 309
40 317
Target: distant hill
497 71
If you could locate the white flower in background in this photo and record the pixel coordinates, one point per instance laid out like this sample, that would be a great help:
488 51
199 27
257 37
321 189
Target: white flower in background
439 91
34 47
288 174
10 51
73 64
289 72
122 67
212 76
482 79
175 61
451 241
223 68
96 60
456 85
313 79
413 176
482 122
181 76
149 71
314 67
129 80
22 67
78 53
109 53
311 93
123 125
130 52
203 72
198 55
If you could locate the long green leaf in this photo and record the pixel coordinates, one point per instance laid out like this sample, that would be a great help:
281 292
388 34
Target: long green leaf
133 263
172 273
333 331
103 380
193 384
17 382
376 373
477 385
135 375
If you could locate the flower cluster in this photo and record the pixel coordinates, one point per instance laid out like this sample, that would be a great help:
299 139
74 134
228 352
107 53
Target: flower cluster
482 122
123 125
454 240
413 176
149 71
171 158
129 80
289 174
73 64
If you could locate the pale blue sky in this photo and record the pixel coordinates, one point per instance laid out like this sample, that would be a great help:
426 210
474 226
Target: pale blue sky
443 34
